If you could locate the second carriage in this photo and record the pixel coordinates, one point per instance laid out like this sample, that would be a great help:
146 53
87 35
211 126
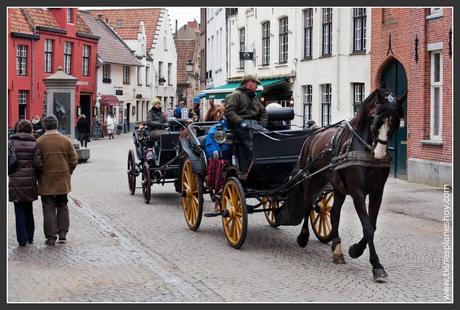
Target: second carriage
157 154
267 181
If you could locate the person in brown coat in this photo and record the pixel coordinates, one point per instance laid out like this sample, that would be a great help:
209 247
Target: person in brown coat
22 187
59 161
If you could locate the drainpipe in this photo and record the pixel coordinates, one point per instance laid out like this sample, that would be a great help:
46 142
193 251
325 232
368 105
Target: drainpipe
32 71
338 59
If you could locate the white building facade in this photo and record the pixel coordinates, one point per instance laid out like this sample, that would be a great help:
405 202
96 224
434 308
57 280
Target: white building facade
333 62
216 33
314 59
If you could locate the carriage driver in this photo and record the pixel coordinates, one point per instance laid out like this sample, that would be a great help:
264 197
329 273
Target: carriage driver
242 109
155 115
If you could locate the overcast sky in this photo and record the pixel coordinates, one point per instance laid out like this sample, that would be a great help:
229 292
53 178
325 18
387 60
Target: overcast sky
182 14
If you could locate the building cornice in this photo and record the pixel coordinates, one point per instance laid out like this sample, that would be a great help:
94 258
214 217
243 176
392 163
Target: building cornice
50 29
25 35
88 36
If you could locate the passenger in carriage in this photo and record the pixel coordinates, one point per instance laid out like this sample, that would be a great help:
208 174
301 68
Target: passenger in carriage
242 109
155 119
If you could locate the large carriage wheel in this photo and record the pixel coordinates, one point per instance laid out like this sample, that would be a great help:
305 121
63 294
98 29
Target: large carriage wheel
131 172
146 182
234 212
320 217
270 215
192 196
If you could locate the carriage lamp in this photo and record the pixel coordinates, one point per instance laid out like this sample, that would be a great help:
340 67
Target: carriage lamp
79 110
220 136
291 102
262 99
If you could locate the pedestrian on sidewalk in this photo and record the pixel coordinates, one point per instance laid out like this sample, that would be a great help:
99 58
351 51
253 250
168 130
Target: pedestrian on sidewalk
22 187
59 161
83 130
110 125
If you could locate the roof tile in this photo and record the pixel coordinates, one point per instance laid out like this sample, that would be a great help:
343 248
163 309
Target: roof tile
126 22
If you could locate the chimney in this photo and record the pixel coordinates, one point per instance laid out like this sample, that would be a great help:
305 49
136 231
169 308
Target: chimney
175 34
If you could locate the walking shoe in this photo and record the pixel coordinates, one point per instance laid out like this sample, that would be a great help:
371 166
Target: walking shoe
50 242
62 239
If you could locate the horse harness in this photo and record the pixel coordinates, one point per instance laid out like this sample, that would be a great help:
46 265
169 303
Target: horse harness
345 158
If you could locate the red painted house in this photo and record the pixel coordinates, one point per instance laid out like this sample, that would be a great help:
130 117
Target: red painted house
412 50
39 41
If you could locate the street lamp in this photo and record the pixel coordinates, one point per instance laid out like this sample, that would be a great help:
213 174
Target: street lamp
189 65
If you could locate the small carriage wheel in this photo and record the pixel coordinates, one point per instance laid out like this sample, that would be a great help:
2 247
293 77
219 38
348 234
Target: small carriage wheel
192 196
146 182
270 215
131 172
320 217
234 212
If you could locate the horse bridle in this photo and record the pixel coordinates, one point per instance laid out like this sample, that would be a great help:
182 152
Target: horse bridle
375 120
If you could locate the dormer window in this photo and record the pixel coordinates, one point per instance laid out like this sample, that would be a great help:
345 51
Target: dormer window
70 16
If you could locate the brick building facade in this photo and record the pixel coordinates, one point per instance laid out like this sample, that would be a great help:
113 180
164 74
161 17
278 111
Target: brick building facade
39 41
412 49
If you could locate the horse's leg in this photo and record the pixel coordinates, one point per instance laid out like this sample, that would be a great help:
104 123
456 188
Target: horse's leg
302 238
375 200
368 232
337 254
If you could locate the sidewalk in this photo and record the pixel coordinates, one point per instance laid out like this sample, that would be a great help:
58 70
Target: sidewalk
413 199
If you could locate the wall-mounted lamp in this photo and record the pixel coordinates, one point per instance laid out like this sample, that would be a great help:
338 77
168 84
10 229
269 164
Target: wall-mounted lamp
189 66
94 111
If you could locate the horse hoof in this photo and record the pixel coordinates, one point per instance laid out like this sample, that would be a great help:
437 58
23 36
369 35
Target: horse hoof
355 251
338 259
380 275
302 240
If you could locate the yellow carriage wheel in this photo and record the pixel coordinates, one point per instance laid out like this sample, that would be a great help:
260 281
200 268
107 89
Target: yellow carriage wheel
234 213
320 217
270 215
192 196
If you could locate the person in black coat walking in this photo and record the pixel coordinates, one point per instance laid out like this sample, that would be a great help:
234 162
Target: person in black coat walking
84 130
22 187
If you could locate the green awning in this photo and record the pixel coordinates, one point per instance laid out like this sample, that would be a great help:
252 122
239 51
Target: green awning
222 91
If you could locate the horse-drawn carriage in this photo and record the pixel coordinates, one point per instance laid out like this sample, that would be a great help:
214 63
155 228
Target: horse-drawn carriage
156 148
267 178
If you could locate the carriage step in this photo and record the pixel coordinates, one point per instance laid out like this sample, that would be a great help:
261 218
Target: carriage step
212 214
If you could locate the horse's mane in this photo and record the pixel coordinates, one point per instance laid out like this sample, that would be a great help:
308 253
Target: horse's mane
360 120
384 108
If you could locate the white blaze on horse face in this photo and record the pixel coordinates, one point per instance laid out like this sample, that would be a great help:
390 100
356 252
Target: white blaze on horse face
381 149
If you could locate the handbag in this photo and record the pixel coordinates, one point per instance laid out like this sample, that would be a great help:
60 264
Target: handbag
12 158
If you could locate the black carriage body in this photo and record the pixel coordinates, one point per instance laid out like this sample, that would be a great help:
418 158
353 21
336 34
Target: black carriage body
274 157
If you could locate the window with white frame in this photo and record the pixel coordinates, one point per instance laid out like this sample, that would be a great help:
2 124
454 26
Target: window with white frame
147 75
160 70
86 50
284 40
106 73
69 16
126 70
48 56
266 43
359 29
308 33
22 103
436 96
242 39
326 100
169 74
358 96
327 31
139 76
21 60
307 103
68 57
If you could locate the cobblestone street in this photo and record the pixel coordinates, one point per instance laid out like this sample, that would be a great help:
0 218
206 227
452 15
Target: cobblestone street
120 249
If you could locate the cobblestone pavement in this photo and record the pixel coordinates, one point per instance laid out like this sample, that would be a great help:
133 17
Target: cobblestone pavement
120 249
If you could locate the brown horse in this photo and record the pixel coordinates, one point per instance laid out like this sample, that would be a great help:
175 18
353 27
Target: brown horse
365 137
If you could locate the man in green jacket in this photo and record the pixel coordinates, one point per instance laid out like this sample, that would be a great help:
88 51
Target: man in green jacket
243 111
59 161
